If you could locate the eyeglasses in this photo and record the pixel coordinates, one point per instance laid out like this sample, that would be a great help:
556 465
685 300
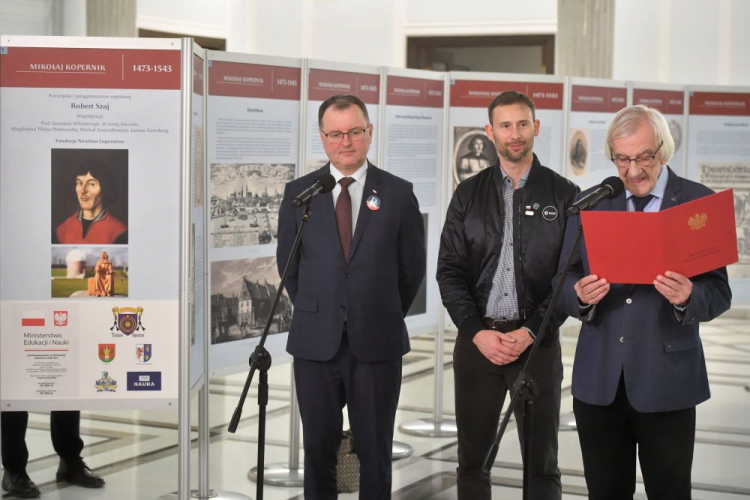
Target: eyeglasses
641 161
355 134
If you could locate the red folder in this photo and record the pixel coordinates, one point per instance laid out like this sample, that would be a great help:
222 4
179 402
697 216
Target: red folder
635 247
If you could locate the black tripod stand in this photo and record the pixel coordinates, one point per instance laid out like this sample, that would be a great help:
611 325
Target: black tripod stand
261 360
526 389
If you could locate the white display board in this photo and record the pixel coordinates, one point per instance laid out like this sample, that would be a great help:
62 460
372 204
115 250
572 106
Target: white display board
592 105
471 94
86 124
196 289
469 148
671 101
413 131
719 157
326 79
253 125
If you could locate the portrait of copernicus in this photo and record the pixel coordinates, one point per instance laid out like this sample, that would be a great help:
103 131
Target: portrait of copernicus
89 220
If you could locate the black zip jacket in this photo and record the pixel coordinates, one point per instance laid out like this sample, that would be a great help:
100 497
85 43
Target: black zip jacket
473 236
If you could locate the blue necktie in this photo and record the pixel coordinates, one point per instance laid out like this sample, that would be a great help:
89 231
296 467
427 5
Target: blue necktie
640 202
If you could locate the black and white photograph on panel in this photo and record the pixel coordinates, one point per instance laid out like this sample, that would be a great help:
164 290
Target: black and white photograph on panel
313 165
735 175
473 151
578 164
242 293
676 130
245 201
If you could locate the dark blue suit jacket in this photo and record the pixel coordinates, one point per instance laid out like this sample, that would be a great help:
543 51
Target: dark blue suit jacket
637 331
374 291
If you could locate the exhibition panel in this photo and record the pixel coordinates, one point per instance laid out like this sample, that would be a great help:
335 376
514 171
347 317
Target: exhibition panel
253 147
718 152
90 295
671 100
414 149
592 104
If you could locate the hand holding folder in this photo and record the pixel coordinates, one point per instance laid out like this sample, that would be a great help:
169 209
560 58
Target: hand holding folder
635 247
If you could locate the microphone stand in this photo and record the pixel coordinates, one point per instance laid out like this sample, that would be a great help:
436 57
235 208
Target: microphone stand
260 360
526 389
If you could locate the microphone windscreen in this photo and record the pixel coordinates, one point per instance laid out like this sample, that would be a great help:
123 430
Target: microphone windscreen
328 182
615 184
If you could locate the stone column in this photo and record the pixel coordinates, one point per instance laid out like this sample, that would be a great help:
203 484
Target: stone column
110 18
585 38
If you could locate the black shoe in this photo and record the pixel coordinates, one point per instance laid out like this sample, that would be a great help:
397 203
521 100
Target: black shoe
20 485
75 471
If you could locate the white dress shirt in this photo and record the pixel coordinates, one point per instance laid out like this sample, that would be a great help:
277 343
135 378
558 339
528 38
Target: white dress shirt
654 205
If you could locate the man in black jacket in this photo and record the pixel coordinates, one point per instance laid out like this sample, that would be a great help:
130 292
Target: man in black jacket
498 254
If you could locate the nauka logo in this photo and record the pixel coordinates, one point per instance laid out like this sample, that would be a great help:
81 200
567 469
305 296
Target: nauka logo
127 320
106 383
144 381
61 318
107 352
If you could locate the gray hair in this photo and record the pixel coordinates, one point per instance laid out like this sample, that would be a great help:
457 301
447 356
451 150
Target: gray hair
627 121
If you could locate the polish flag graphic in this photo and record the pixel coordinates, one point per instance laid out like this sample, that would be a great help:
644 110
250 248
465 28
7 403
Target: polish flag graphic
33 318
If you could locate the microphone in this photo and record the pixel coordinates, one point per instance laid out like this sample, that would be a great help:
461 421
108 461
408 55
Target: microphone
324 184
611 187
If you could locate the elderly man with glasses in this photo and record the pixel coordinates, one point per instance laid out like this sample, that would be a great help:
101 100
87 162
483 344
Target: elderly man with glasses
639 368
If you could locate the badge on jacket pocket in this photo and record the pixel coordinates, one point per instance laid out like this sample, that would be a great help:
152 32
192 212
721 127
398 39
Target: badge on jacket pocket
549 213
373 202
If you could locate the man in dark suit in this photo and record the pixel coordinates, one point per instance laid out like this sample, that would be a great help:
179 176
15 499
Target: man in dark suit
639 368
66 440
360 264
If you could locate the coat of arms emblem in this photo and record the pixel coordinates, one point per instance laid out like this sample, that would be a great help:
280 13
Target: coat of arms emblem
127 319
106 383
698 221
106 352
61 318
143 352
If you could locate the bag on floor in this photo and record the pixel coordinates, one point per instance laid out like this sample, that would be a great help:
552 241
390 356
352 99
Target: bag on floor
347 469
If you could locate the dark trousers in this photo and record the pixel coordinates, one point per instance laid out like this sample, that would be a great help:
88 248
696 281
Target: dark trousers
609 436
480 388
65 432
370 391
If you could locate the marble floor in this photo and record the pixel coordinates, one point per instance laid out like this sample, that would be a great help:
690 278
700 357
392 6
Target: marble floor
136 451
